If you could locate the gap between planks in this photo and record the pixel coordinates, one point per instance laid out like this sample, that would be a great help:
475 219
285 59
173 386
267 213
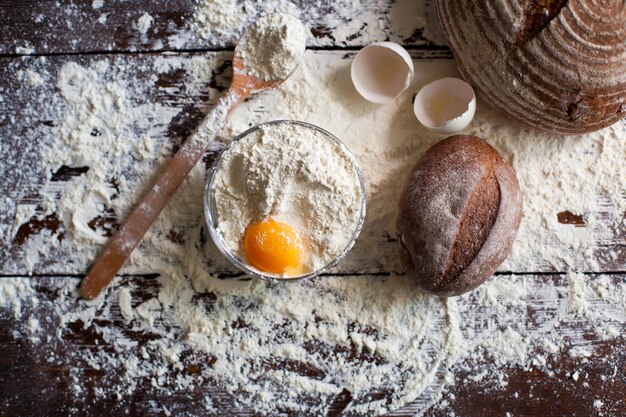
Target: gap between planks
328 274
422 48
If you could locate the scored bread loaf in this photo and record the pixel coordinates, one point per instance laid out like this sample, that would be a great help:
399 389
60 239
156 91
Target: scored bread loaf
458 215
556 65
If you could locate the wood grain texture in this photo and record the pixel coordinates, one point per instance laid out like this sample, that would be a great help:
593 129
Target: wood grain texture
39 378
75 26
559 66
28 118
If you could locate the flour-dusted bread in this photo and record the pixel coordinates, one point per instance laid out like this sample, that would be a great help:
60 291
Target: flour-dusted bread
458 215
556 65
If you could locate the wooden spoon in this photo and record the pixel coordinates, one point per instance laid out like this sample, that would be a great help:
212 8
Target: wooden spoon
121 245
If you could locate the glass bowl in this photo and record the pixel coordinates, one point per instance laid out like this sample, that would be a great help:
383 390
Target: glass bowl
210 210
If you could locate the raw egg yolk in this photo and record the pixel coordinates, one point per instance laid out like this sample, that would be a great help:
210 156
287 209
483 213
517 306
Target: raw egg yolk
272 246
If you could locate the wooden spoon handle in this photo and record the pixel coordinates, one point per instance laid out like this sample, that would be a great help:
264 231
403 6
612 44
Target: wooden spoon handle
121 245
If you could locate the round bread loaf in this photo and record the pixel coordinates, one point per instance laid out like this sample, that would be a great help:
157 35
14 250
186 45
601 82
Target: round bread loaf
557 65
458 215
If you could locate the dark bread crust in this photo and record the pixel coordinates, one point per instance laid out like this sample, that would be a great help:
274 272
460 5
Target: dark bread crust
475 222
458 216
556 65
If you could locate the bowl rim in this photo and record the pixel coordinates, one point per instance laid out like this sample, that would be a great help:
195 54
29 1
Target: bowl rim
210 214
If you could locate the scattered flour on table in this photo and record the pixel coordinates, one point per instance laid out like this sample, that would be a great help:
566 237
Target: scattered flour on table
24 50
293 174
219 23
360 333
337 23
124 300
144 23
580 174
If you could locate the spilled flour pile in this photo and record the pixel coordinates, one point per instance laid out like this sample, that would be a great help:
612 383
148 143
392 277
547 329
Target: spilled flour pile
291 348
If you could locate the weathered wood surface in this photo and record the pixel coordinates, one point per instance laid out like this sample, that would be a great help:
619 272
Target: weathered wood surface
39 379
30 385
29 116
76 26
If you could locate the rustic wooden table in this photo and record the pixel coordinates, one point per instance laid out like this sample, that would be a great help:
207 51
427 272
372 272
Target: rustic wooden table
74 30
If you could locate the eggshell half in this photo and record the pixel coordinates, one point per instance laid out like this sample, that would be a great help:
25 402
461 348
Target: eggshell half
446 105
381 71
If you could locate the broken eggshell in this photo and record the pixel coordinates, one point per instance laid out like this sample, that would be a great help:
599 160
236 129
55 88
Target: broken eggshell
381 71
446 105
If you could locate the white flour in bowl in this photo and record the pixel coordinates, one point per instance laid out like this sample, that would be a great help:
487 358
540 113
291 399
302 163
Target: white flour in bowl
293 174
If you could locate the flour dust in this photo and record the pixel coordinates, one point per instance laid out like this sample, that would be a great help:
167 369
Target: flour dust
294 348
